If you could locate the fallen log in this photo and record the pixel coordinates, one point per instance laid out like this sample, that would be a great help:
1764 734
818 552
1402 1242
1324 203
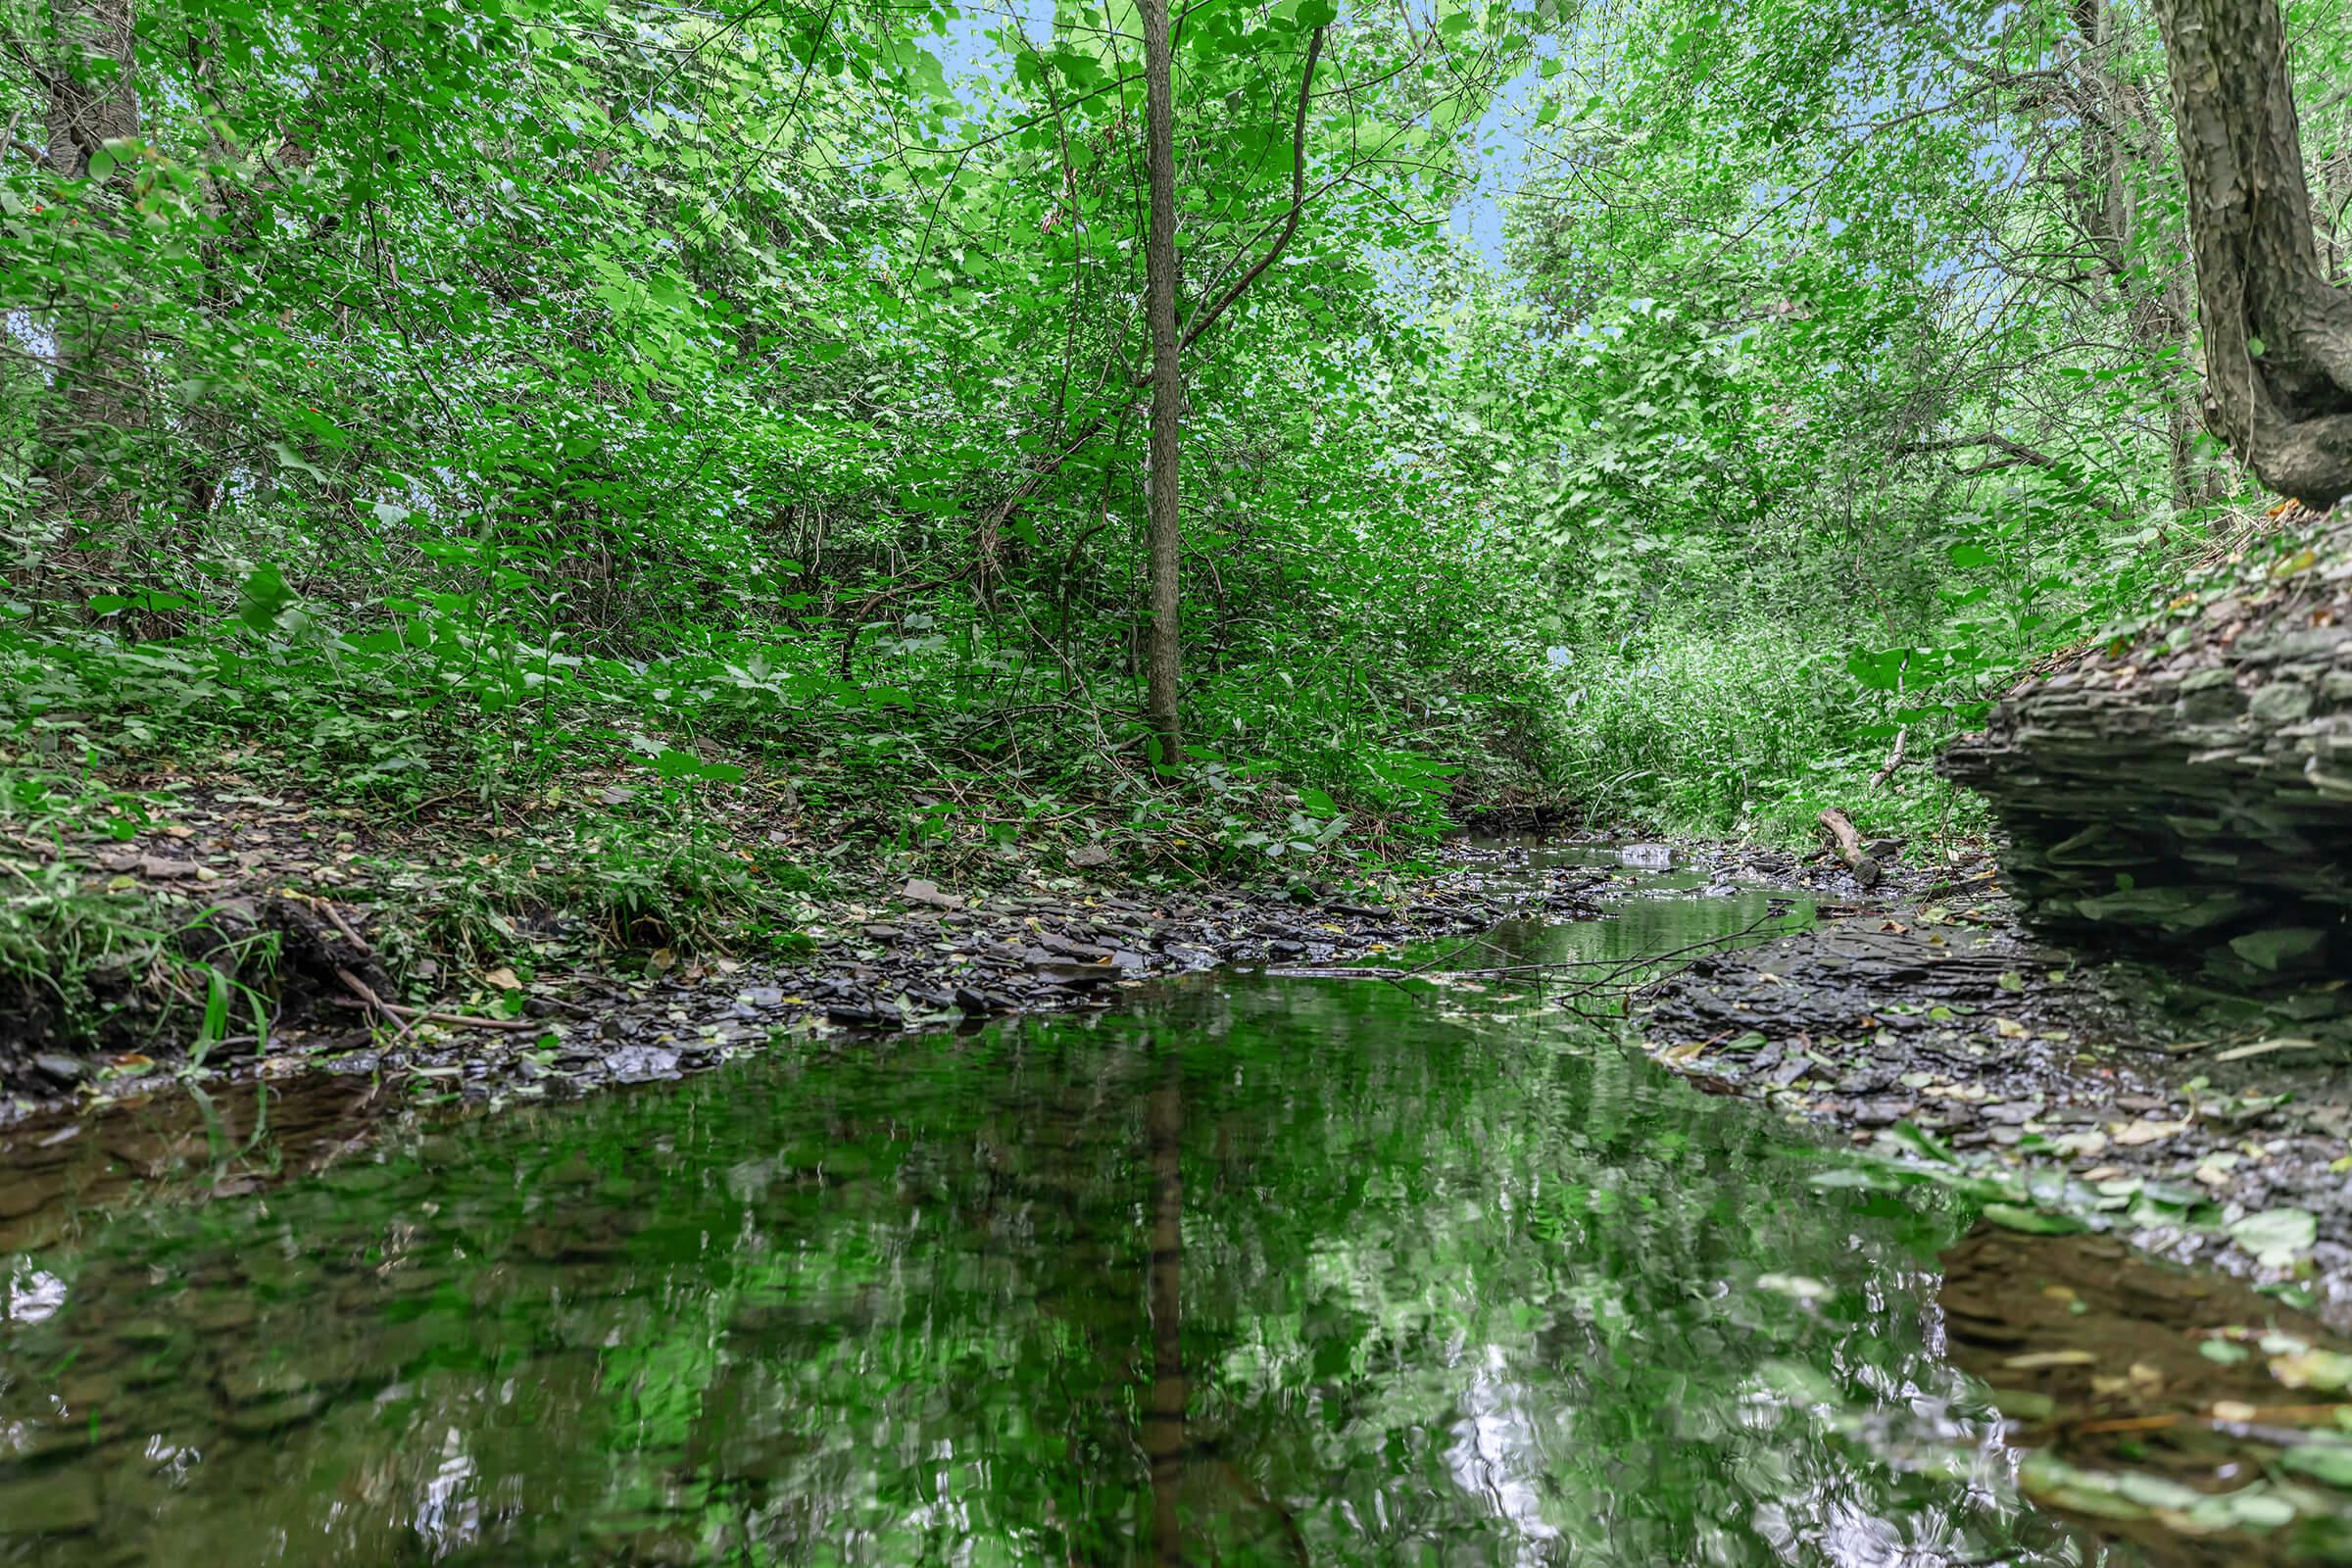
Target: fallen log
2186 793
1846 840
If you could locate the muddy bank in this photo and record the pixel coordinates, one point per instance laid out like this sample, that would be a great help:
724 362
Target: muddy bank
602 931
1925 1021
920 956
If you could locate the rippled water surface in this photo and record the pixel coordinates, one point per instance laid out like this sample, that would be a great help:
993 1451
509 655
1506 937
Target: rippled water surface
1256 1270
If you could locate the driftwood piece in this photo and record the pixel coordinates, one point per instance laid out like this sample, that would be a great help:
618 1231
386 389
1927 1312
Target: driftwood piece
1846 839
2189 795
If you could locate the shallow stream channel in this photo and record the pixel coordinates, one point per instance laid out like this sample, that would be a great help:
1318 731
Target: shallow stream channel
1254 1267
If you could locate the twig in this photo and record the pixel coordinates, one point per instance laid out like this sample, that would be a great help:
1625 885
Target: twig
459 1020
368 998
327 907
1894 760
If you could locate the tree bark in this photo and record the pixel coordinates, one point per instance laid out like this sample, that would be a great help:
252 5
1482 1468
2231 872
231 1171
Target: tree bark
1162 708
2157 312
93 83
2277 335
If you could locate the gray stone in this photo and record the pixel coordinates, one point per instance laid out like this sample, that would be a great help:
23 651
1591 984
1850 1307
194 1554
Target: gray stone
2279 704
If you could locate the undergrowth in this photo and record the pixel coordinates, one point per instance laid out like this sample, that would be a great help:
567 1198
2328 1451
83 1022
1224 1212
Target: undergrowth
936 742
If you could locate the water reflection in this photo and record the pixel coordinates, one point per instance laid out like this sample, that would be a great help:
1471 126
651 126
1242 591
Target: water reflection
1260 1271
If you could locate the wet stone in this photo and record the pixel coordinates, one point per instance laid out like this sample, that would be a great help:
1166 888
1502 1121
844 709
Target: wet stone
264 1417
636 1065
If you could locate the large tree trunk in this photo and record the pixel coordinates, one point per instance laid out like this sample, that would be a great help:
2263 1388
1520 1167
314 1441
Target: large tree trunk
93 99
1167 380
2277 335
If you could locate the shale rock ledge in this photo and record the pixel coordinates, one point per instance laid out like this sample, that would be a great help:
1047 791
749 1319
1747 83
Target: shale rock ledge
2185 793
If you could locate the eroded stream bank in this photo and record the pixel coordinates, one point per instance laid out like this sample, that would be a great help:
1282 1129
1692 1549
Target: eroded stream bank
1452 1266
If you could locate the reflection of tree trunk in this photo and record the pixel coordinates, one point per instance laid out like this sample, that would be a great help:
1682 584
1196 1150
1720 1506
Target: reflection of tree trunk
93 99
2277 335
1163 1417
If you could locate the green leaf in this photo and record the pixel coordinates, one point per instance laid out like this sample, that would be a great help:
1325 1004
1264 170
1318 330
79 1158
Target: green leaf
2032 1221
673 765
2329 1463
264 596
2277 1236
1881 672
1924 1143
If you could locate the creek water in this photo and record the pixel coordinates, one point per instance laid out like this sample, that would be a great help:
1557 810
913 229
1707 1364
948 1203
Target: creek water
1253 1269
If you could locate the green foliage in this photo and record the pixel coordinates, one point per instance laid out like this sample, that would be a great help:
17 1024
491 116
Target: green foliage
447 400
87 968
1858 349
772 391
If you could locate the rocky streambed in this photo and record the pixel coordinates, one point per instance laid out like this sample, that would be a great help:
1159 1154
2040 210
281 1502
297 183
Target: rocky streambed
1914 1016
1921 1020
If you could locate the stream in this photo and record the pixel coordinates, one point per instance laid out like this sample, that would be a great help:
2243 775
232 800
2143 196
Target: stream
1254 1269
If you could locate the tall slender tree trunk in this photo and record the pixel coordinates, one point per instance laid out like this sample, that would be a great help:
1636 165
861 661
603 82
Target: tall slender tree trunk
2277 334
2156 302
93 99
1162 708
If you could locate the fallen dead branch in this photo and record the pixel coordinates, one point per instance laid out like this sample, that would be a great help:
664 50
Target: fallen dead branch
1846 839
415 1016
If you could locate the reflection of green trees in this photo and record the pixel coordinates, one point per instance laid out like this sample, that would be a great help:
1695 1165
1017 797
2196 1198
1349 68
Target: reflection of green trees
1447 1296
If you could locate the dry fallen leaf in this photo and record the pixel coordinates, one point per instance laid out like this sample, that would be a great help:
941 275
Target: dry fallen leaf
2133 1133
